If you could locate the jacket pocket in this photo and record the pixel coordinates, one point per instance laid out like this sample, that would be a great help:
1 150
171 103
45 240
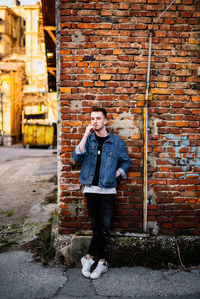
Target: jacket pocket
110 167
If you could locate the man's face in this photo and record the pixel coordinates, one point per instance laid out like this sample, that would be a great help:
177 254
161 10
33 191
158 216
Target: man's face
98 120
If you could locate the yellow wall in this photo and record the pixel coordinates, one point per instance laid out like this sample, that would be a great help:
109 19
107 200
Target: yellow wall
16 103
5 103
12 98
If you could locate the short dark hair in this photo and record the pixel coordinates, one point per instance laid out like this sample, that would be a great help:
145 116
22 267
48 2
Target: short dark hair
101 109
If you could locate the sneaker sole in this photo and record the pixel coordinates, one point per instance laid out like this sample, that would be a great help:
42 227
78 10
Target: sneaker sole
103 272
84 275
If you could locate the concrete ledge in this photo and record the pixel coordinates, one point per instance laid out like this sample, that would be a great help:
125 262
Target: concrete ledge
154 251
132 250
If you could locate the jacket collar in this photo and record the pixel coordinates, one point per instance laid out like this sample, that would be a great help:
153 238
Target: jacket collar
110 139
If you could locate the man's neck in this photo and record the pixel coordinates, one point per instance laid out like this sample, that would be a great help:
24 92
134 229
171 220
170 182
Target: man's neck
102 133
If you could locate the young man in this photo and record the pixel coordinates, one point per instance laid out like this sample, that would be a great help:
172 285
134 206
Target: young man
104 159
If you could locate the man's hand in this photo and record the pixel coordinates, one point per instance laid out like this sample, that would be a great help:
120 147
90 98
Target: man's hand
118 173
90 128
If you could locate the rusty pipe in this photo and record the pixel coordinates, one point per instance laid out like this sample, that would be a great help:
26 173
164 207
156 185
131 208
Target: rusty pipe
145 127
145 133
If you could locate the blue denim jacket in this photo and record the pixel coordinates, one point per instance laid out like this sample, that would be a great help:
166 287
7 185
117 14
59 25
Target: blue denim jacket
114 157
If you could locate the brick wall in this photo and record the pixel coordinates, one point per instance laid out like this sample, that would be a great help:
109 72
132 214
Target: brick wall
103 60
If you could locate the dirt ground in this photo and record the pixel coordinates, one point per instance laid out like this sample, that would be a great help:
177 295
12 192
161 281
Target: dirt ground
28 194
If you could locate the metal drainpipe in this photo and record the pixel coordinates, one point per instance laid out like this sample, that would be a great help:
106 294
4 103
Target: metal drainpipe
145 127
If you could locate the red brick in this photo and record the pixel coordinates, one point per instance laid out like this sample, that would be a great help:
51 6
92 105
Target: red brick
115 77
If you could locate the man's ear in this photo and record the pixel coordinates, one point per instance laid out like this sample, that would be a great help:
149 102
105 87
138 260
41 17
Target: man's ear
105 121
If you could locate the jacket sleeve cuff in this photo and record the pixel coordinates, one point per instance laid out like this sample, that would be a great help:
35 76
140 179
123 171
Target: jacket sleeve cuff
78 151
122 172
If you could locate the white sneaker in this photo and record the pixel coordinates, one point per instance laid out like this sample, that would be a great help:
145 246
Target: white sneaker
86 266
102 267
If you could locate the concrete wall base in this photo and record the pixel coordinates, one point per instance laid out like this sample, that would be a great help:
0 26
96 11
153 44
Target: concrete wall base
154 251
69 248
132 250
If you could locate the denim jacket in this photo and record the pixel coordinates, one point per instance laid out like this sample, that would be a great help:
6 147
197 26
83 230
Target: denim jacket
114 157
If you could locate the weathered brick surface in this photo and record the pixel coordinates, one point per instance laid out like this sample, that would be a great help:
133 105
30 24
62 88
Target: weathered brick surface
103 59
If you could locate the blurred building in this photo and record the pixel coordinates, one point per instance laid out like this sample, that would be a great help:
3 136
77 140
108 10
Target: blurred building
12 32
35 55
23 70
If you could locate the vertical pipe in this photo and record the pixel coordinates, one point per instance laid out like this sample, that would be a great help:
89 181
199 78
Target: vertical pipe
59 133
145 116
145 133
145 127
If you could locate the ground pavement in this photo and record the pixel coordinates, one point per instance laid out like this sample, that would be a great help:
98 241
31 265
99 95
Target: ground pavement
26 172
27 192
22 278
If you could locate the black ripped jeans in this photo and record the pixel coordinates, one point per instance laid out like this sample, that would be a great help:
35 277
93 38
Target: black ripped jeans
100 210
